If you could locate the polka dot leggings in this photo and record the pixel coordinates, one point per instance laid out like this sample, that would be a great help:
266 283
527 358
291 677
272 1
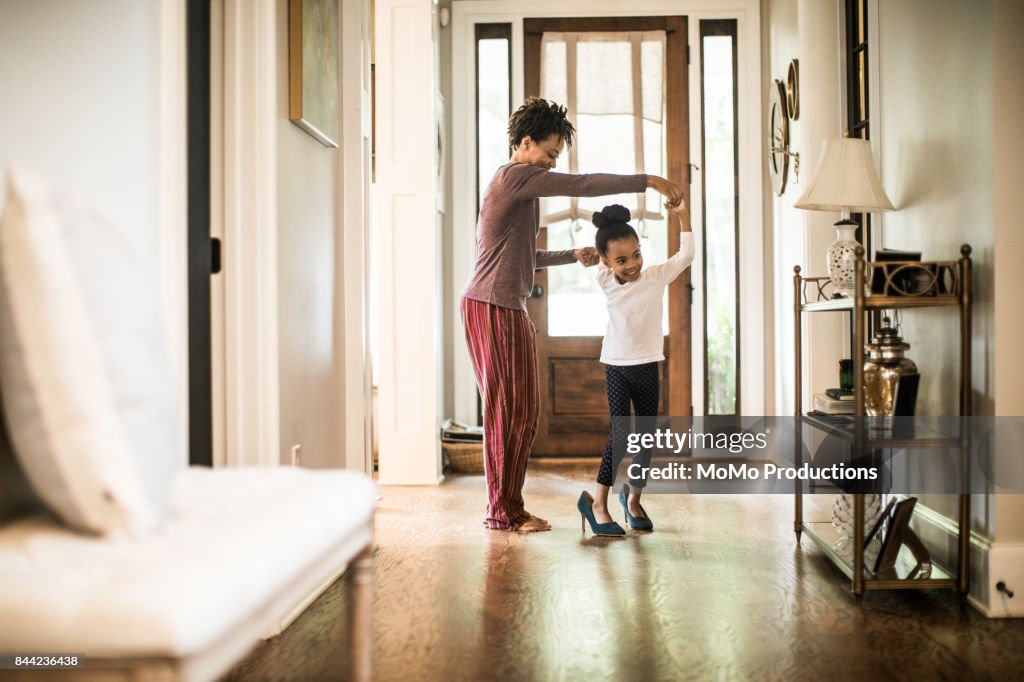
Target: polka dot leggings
636 385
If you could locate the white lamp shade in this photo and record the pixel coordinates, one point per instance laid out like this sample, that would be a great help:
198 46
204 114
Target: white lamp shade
845 179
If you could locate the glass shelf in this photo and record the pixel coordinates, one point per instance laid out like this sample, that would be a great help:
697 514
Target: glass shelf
825 536
843 427
882 302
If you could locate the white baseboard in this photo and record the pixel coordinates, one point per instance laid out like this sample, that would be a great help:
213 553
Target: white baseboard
1005 564
990 563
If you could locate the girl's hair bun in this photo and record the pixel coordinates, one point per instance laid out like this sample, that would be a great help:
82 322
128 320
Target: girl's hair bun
611 215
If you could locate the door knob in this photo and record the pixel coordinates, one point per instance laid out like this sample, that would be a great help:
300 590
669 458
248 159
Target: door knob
538 291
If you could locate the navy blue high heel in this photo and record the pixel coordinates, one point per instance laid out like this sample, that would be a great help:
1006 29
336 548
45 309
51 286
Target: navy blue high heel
586 509
642 523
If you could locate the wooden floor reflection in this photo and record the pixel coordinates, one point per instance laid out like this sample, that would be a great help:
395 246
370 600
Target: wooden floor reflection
720 591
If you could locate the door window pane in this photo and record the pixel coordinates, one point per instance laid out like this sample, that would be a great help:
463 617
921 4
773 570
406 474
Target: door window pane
619 123
720 226
493 80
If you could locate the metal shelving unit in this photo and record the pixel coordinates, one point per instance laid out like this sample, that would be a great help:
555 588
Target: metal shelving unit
893 285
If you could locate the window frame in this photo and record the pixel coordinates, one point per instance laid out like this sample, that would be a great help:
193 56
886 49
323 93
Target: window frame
729 28
496 31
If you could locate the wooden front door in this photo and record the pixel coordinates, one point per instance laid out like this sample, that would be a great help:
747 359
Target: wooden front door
624 81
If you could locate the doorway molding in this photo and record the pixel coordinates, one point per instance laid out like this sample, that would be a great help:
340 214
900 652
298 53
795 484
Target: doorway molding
248 71
467 13
244 153
352 246
409 260
173 203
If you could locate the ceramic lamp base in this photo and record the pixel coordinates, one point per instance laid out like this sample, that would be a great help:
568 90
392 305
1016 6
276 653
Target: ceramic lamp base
842 258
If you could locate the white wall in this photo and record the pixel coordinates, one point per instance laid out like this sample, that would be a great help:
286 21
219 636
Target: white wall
783 224
940 169
821 118
92 100
79 84
937 161
952 146
1008 103
322 211
811 31
308 191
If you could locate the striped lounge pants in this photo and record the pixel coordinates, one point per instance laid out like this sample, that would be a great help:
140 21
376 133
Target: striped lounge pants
502 345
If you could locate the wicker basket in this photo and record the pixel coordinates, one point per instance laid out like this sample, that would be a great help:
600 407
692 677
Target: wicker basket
465 458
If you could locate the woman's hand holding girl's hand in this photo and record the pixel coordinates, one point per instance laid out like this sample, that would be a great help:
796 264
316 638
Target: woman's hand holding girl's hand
679 209
587 256
682 214
667 188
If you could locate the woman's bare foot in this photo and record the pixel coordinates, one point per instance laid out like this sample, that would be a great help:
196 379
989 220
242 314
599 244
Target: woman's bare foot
533 525
539 519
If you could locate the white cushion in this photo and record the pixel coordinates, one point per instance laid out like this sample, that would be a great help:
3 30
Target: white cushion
234 540
86 384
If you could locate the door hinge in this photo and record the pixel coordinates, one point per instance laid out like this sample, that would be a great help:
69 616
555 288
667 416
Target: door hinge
687 55
214 255
689 289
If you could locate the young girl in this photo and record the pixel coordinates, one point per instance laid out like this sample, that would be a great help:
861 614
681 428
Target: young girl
633 346
499 333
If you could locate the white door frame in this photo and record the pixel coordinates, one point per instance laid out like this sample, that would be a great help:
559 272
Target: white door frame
173 202
409 258
244 210
467 13
353 244
244 306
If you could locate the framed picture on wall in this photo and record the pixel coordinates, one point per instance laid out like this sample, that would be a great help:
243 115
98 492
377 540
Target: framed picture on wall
313 68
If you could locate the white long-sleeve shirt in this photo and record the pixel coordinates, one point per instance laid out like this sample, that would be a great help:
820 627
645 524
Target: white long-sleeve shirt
634 336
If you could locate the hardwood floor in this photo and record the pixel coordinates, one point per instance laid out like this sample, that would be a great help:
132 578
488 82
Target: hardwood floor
719 591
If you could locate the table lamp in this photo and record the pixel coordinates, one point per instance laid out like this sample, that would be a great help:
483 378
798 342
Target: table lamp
844 180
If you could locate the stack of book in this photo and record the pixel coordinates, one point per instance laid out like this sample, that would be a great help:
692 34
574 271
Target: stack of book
834 401
897 279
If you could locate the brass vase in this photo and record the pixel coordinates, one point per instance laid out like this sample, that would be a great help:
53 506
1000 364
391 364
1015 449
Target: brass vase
890 378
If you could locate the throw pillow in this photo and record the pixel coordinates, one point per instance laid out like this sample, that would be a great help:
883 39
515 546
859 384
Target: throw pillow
86 382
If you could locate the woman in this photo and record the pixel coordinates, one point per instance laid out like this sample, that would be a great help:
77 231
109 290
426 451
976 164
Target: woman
498 330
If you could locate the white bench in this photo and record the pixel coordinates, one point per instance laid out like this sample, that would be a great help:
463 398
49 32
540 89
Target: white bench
243 552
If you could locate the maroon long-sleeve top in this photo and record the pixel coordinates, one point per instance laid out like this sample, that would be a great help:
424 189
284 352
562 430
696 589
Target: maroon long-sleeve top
509 222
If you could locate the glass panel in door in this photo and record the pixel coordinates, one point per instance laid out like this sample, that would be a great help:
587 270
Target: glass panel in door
612 85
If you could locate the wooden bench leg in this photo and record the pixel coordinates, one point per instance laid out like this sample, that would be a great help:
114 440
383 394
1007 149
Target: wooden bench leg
360 577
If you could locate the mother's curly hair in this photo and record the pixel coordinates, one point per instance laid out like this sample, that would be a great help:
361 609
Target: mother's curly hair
540 119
